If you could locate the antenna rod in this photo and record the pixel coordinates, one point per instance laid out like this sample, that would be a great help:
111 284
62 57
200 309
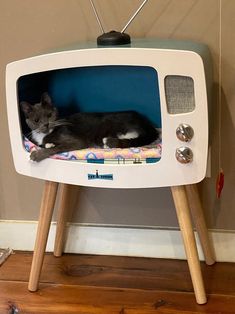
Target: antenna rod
135 14
97 16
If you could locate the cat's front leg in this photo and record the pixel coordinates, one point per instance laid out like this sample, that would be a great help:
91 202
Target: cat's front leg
39 155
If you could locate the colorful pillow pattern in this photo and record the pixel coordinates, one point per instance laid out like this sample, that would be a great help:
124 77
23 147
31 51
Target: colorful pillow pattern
149 154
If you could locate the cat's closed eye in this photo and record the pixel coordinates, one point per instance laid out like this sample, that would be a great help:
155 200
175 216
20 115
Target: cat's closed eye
49 115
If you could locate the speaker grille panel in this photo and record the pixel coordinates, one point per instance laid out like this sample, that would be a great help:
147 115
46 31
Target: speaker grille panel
179 92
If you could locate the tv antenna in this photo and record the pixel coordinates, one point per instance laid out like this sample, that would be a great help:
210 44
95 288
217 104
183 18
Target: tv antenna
113 38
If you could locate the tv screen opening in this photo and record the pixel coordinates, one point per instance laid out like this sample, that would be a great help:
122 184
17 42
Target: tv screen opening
108 88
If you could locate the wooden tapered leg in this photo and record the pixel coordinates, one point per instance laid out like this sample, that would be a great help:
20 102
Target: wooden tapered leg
200 224
184 218
46 210
61 220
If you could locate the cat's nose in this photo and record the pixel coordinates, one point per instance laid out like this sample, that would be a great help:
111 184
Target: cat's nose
46 125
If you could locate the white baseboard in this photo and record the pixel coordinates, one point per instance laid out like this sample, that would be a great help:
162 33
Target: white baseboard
115 240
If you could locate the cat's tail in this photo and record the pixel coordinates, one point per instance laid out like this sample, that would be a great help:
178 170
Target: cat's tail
142 140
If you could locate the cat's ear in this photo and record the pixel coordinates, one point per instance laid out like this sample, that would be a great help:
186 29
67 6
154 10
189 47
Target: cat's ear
26 108
46 100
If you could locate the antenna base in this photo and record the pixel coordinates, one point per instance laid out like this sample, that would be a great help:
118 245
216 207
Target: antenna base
113 38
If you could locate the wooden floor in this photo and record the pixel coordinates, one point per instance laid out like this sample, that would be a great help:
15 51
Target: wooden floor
85 284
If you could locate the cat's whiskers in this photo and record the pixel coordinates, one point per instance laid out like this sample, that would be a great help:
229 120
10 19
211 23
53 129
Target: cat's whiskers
52 126
30 134
59 123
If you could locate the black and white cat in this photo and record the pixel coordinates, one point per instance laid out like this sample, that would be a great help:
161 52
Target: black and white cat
82 130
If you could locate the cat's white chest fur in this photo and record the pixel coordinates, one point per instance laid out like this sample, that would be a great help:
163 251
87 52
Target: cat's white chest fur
38 137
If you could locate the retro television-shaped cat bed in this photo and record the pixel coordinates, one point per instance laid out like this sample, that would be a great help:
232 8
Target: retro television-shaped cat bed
168 81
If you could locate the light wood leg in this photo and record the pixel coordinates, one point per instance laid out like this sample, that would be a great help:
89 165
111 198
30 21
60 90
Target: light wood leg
183 214
61 220
46 210
200 224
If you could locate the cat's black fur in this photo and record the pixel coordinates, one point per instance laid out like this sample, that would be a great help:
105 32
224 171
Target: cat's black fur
83 130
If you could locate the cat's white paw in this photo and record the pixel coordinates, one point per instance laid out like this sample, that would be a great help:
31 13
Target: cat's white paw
49 145
105 139
29 158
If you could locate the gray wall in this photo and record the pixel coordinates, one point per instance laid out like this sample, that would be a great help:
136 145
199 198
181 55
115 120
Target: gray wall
31 27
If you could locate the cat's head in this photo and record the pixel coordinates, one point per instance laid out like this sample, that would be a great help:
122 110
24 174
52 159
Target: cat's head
40 117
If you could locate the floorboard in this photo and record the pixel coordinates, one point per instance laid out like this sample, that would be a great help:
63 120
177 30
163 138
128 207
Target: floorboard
87 284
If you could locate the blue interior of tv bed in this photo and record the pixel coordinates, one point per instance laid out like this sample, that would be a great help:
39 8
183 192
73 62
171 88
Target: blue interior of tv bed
96 89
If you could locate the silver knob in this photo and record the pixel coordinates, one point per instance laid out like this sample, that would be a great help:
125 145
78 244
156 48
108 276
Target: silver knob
184 155
184 132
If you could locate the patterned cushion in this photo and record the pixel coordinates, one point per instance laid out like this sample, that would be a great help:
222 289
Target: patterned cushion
135 155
